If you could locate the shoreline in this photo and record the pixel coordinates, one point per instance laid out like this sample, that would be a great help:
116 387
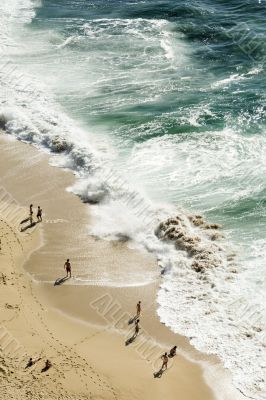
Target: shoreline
61 238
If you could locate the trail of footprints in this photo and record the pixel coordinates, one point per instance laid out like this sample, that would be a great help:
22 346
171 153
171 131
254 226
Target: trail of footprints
6 242
62 357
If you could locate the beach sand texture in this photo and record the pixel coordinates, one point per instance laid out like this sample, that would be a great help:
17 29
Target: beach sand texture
81 329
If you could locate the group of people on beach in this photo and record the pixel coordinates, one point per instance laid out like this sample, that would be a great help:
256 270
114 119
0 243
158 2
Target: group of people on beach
165 357
31 362
38 214
30 220
67 266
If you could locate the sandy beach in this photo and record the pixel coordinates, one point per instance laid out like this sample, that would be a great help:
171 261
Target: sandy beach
81 328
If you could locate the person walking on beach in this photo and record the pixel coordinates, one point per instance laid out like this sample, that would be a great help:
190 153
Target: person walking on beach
137 328
39 214
138 309
31 362
67 267
165 361
31 214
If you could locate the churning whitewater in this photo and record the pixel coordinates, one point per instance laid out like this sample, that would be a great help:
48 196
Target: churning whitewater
159 108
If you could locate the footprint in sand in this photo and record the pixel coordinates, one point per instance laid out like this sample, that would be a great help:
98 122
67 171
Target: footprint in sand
11 307
3 370
3 279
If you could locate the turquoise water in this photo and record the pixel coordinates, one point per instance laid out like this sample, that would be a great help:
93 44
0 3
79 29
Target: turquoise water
171 95
153 75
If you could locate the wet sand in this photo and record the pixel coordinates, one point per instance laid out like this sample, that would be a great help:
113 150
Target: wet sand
81 325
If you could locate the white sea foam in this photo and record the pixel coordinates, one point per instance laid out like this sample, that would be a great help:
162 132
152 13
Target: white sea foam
221 311
235 78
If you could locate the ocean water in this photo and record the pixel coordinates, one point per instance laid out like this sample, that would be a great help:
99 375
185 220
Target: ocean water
161 109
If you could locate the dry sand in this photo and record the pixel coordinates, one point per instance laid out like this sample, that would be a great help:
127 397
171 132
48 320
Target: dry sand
81 329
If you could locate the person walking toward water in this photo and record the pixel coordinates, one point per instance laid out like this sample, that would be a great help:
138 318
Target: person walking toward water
67 267
31 214
137 328
30 363
138 308
165 361
39 214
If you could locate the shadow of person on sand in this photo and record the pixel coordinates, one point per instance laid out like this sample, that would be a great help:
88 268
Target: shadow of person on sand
159 373
25 220
60 281
131 339
133 319
28 227
47 366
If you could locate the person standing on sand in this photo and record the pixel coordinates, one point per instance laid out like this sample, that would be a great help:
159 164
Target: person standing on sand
172 352
165 361
30 363
67 267
31 214
39 214
138 308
